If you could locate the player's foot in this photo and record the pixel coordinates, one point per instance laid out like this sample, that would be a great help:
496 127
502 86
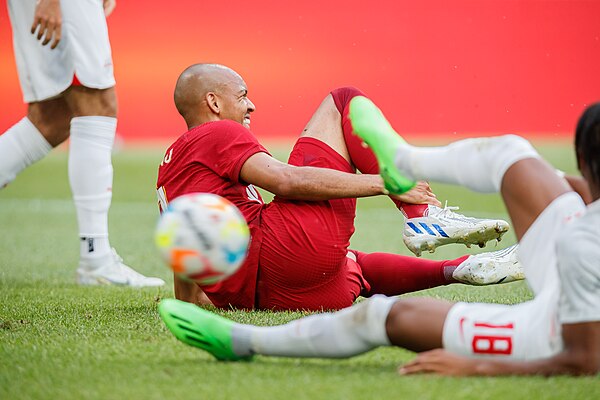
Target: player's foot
443 226
199 328
370 125
500 266
111 271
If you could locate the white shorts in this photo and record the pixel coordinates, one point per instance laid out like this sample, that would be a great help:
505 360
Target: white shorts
84 50
528 330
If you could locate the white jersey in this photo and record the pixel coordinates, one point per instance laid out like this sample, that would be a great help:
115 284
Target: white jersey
531 330
579 269
84 50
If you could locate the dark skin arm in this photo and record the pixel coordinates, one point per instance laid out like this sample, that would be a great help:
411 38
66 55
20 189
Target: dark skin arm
581 356
314 184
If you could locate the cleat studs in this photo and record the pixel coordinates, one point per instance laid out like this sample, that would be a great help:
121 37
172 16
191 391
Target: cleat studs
364 145
481 245
468 245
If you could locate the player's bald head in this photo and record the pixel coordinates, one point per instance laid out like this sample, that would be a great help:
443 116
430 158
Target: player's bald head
195 82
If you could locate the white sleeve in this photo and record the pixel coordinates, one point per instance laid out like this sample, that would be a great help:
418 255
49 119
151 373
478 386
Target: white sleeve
579 269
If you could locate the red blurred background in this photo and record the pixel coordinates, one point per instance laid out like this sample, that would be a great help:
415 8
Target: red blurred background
434 67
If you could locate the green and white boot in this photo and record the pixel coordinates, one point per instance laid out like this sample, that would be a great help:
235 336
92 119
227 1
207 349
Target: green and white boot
200 328
369 123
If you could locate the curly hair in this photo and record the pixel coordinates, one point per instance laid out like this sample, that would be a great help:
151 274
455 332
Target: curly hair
587 140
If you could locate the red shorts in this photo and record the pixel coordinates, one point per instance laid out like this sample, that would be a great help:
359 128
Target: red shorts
302 262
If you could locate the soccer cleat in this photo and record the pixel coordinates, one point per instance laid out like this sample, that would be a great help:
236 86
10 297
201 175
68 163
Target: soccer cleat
369 123
197 327
443 226
500 266
112 271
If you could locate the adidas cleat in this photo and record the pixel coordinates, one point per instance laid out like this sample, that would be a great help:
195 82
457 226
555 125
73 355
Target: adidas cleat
111 270
442 226
369 123
197 327
500 266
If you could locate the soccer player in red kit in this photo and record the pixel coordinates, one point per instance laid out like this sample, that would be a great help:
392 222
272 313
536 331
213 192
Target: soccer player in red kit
299 256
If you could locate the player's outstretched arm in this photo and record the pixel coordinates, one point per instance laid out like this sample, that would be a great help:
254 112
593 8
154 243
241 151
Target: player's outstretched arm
307 183
47 21
313 184
581 356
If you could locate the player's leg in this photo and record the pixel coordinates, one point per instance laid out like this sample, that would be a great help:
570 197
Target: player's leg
393 274
505 163
415 324
29 140
47 121
93 130
427 226
92 100
328 124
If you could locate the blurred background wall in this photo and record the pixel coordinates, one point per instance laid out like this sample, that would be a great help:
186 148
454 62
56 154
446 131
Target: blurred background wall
434 67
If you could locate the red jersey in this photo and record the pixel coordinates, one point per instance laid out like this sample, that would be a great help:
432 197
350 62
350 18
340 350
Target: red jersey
208 158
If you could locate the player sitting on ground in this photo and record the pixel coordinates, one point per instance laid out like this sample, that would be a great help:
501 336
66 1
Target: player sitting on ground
558 332
299 256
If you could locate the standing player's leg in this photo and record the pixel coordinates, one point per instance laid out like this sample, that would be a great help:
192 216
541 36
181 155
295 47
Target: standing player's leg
92 100
93 130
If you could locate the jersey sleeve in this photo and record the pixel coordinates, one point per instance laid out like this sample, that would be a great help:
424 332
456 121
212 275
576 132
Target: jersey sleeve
228 147
579 278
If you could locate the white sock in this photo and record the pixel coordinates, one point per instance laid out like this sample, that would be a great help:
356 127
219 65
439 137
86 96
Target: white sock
20 146
91 175
345 333
478 164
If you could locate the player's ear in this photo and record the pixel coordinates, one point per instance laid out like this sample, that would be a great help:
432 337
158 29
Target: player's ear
213 102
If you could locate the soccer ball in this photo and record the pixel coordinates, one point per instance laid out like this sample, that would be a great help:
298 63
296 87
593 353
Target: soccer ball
202 237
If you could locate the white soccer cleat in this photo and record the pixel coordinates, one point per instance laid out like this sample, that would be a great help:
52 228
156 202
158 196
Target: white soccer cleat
500 266
112 271
443 226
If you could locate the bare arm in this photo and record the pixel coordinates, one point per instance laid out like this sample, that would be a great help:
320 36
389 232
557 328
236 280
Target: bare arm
307 183
313 184
581 356
47 21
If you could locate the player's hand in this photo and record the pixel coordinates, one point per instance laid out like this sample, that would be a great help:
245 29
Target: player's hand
420 194
440 362
47 20
109 6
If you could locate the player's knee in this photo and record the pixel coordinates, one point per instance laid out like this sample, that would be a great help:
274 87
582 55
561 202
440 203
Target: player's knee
343 95
86 102
55 131
109 104
507 150
106 104
515 144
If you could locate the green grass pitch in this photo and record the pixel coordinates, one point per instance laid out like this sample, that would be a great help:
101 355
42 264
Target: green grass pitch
59 340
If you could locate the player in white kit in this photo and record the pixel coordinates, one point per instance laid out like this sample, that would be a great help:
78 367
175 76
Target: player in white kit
558 332
63 57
